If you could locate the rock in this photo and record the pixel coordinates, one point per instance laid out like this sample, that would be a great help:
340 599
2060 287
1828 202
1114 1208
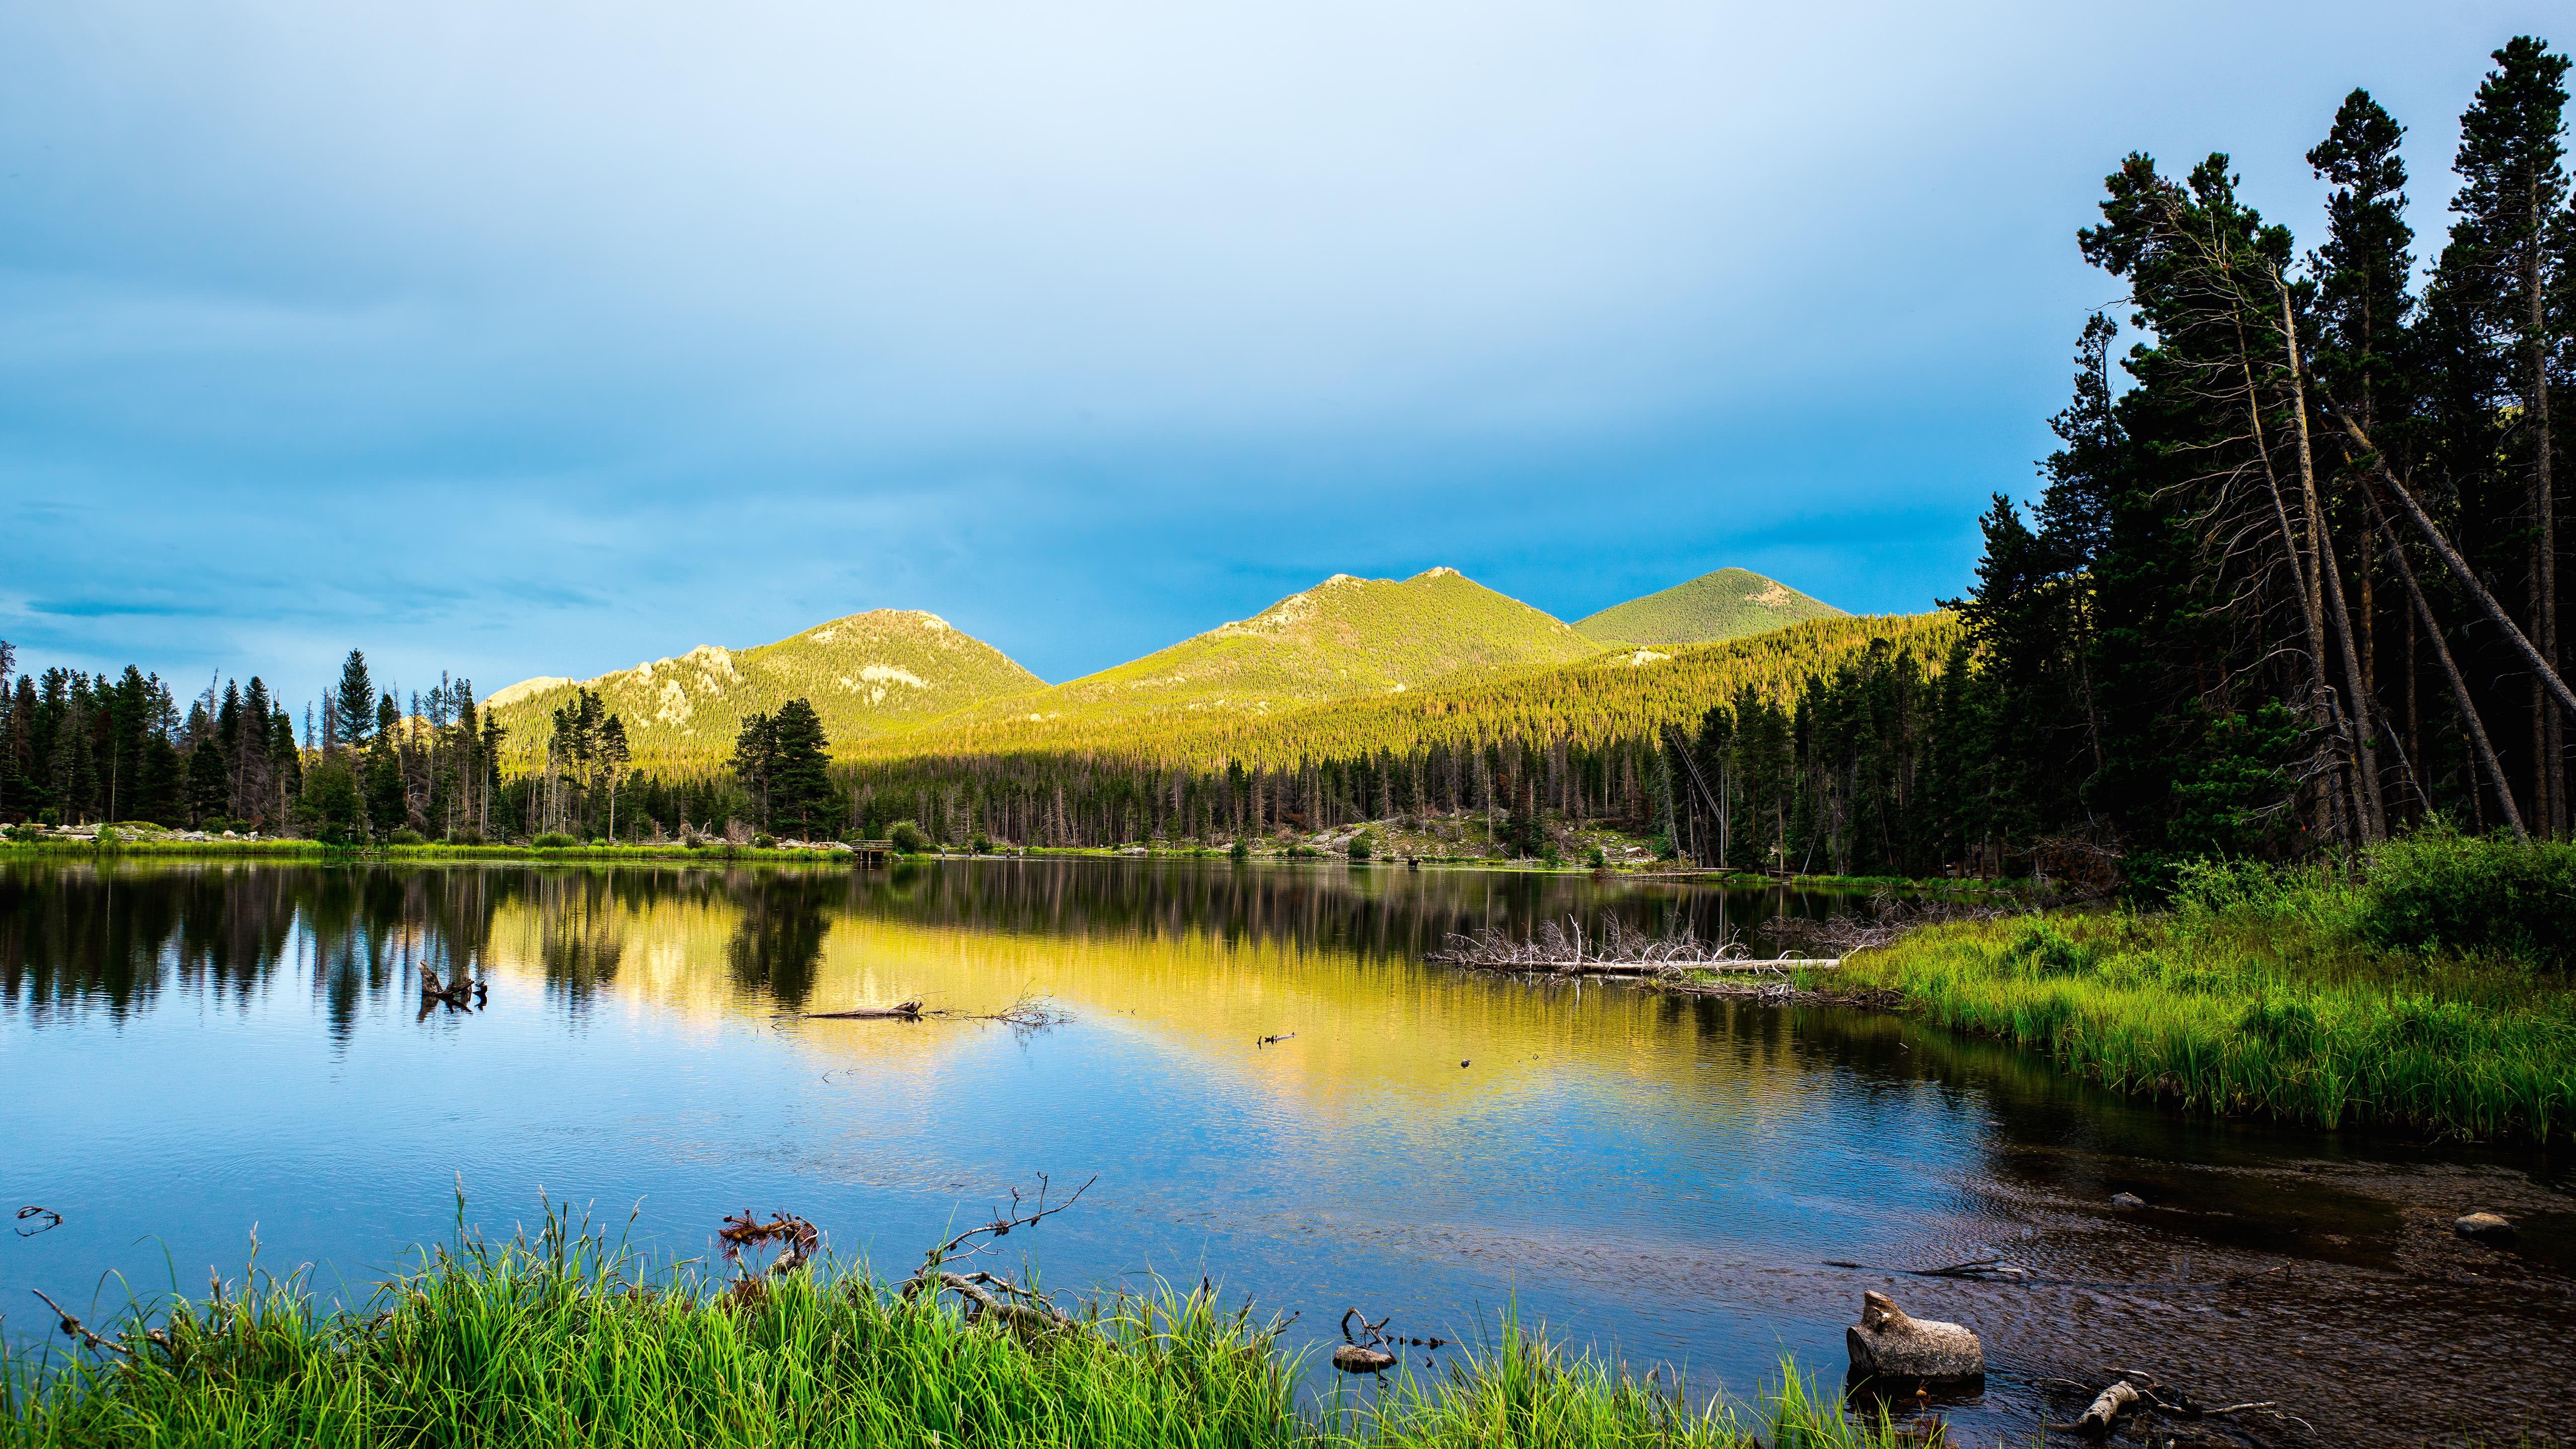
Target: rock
1351 1358
2483 1225
2127 1200
1888 1344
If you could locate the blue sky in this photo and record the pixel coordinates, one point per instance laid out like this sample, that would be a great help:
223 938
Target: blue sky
514 338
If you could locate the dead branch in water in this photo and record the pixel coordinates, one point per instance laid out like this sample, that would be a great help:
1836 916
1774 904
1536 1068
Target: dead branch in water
900 1011
1027 1013
2131 1390
989 1293
1566 950
462 994
74 1328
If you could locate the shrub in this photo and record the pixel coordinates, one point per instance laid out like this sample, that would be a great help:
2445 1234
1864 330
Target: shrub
764 841
404 835
982 844
1360 848
2438 888
553 840
1599 859
1240 850
908 837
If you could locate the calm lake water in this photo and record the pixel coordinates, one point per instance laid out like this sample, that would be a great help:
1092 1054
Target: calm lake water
192 1050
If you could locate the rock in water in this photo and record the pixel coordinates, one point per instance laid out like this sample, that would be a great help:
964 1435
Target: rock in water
2127 1200
1888 1344
2483 1225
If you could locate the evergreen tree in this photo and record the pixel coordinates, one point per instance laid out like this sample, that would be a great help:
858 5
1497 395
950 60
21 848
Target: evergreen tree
801 798
354 703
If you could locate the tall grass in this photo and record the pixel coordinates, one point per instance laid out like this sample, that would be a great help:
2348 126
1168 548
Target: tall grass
566 1340
2280 992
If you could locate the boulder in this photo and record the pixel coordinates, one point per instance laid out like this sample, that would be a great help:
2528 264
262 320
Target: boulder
1888 1344
2127 1200
2482 1225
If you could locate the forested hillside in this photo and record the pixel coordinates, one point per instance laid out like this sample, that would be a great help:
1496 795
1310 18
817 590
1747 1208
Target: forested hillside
864 674
1579 741
1727 604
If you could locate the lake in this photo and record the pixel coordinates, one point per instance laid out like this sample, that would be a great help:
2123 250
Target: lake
194 1049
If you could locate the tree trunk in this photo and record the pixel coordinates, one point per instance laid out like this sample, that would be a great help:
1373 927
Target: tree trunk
2475 728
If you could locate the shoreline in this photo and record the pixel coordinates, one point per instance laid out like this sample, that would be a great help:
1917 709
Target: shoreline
292 848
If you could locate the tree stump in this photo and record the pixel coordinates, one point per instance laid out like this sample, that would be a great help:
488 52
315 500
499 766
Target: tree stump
1888 1344
1352 1358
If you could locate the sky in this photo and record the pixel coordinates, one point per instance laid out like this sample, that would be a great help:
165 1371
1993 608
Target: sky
517 337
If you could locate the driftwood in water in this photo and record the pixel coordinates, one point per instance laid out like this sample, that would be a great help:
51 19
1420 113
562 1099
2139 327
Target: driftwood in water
989 1294
1567 950
2107 1406
900 1011
1027 1013
1889 1343
462 994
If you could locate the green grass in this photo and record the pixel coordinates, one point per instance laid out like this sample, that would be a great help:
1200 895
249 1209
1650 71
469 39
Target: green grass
2282 993
566 1341
1728 604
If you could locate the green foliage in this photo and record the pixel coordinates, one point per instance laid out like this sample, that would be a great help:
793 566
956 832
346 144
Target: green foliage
1728 604
552 840
764 841
403 835
331 810
1360 848
1240 851
2440 890
908 837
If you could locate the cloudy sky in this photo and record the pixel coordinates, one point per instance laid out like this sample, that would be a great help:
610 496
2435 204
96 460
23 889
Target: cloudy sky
515 338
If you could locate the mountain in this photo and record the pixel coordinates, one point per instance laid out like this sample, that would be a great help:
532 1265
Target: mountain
865 674
1727 604
1606 696
1343 638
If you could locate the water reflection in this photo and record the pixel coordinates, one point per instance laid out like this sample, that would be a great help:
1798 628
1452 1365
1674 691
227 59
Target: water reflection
1667 1176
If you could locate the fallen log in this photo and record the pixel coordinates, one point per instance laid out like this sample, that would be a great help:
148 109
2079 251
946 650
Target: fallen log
2106 1406
900 1011
1888 1343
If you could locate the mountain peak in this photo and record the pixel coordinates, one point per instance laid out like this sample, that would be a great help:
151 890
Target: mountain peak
1727 604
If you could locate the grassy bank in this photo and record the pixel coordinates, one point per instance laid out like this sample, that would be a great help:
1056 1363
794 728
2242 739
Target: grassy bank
2426 991
562 1342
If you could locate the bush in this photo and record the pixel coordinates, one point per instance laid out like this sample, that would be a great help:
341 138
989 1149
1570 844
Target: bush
1240 850
1360 849
2440 889
982 844
1599 859
553 840
404 835
764 841
908 837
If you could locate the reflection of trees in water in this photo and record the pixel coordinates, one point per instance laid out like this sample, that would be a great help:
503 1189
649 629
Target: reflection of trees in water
1376 912
581 932
74 936
779 941
85 936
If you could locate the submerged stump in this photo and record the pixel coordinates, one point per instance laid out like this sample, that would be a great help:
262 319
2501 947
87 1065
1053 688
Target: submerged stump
1887 1343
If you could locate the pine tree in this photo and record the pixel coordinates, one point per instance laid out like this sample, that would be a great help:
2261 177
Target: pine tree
354 703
